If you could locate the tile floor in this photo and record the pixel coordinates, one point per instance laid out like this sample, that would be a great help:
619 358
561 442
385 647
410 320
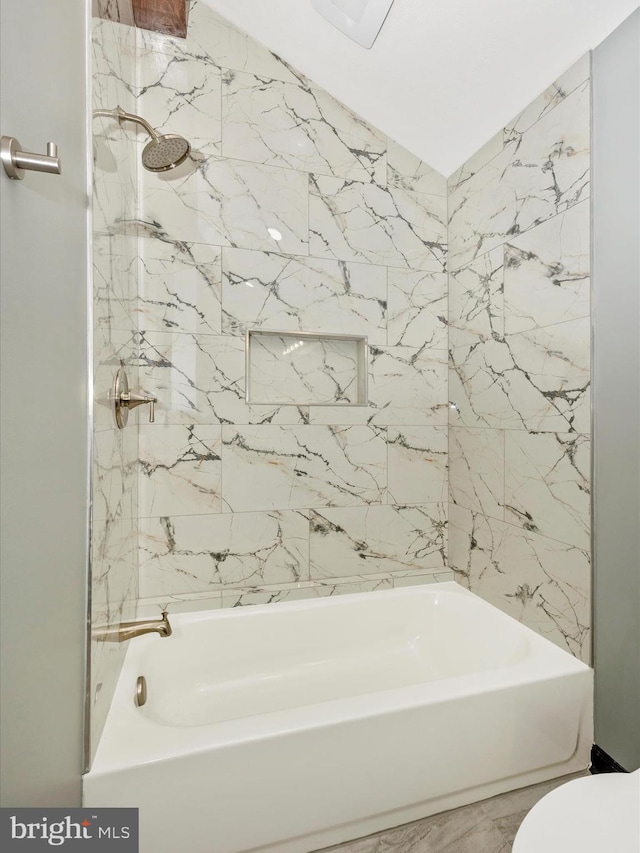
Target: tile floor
486 827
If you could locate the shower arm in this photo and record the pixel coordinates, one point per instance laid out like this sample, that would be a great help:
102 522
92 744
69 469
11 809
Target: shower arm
121 115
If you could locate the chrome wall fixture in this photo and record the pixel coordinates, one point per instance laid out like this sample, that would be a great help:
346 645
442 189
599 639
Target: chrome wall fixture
122 400
16 161
164 152
124 631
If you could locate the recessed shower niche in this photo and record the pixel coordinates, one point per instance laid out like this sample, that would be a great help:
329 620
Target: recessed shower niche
306 369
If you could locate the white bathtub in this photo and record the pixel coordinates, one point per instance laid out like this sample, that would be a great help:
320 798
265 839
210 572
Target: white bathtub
287 728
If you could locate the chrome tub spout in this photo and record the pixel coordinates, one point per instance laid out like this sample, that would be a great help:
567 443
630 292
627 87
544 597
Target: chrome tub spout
129 630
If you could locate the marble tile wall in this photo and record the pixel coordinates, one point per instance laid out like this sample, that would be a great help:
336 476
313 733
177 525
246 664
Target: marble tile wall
292 215
519 366
114 541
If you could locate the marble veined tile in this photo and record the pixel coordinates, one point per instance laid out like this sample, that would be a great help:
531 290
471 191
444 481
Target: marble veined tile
240 596
196 553
476 470
408 386
576 76
304 371
417 459
481 210
180 469
115 281
407 171
180 287
201 379
537 380
180 94
281 124
417 309
481 157
546 272
114 471
545 172
354 221
322 588
229 203
290 467
359 540
214 40
269 291
547 484
541 582
113 78
550 169
476 301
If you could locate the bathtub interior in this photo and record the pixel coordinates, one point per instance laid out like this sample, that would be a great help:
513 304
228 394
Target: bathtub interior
231 665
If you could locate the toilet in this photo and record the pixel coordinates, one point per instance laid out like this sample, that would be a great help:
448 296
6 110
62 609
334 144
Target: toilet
587 815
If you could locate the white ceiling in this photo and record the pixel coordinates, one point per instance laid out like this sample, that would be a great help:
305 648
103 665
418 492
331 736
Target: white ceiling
444 75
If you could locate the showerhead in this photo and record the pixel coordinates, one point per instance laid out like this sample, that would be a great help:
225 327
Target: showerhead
165 152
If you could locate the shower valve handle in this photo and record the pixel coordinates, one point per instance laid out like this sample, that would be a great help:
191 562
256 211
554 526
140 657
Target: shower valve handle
133 400
16 161
123 400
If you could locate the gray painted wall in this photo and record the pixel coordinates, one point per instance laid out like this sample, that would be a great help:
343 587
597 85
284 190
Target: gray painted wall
43 229
616 372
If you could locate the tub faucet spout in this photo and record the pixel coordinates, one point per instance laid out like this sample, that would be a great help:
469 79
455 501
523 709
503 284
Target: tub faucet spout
129 630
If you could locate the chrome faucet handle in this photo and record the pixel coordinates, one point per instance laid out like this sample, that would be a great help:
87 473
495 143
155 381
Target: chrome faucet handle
133 400
123 400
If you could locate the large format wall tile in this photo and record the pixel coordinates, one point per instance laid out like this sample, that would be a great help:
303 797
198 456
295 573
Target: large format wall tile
408 172
195 553
547 484
541 582
537 380
180 287
546 272
279 124
201 379
576 77
476 301
285 467
274 292
213 40
229 203
180 94
378 225
408 386
540 174
519 241
180 469
225 247
417 309
417 459
360 540
476 470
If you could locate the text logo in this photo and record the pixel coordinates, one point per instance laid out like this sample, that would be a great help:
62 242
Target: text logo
69 829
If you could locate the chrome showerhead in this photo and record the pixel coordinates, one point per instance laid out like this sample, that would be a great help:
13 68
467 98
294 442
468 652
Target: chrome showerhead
165 152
